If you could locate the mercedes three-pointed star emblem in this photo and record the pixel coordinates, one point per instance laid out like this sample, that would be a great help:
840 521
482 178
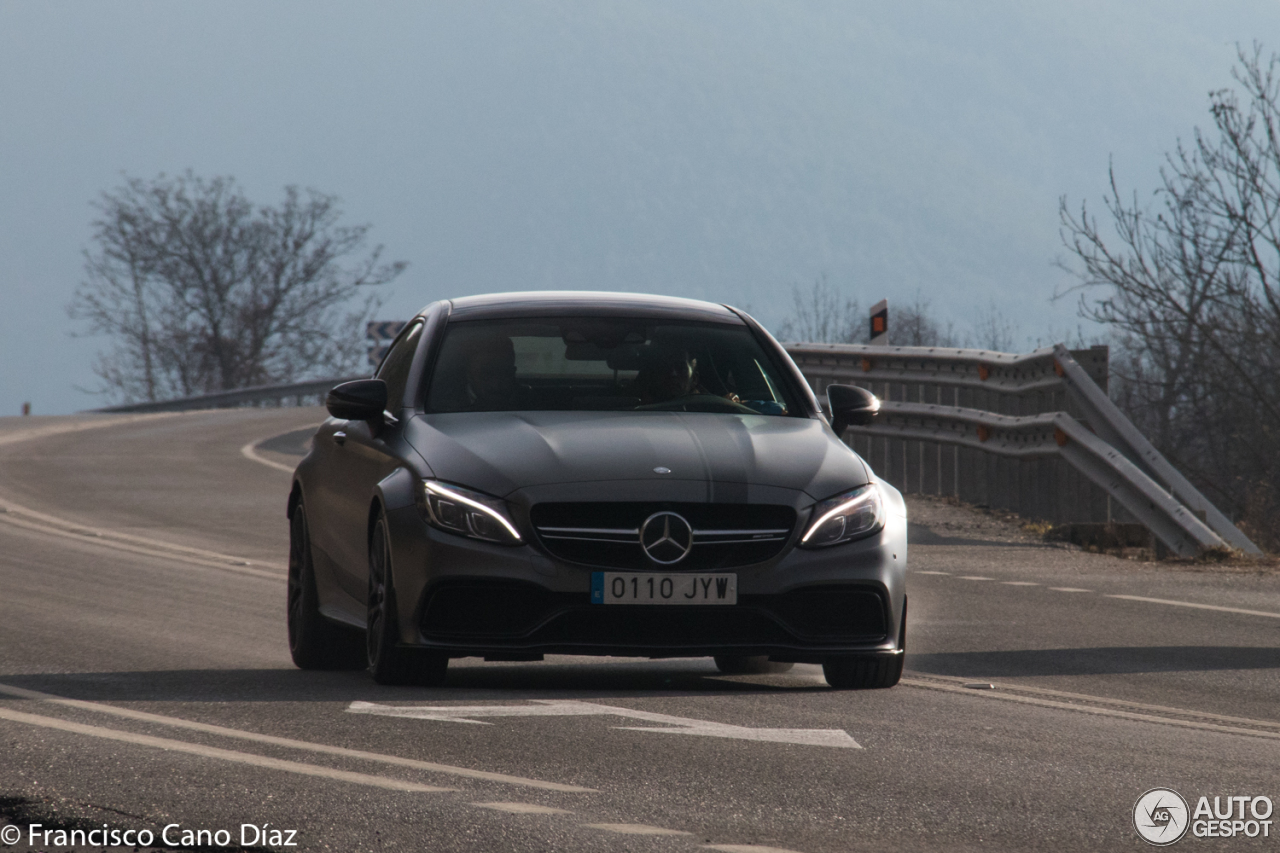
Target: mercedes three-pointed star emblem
666 537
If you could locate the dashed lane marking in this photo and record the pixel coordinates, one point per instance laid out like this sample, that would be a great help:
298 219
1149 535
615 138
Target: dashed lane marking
1170 602
635 829
219 754
1197 606
747 848
326 749
1100 706
521 808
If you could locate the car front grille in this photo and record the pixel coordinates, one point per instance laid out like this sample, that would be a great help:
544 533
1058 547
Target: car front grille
607 534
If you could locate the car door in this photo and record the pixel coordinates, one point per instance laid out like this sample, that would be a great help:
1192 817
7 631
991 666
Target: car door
362 455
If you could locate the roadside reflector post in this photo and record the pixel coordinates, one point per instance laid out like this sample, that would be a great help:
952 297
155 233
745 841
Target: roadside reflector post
880 323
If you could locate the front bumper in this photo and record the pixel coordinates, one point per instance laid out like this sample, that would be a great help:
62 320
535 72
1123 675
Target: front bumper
470 598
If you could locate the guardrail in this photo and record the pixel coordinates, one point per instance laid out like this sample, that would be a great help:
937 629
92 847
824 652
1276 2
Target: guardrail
1013 422
297 392
1060 411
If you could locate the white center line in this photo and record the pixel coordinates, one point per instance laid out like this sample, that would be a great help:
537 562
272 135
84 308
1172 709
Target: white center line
974 578
931 573
1068 589
747 848
1019 583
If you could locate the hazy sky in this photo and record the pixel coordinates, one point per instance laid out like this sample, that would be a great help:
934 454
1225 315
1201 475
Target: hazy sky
721 150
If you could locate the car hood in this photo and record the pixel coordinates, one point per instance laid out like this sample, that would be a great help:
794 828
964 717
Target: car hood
500 452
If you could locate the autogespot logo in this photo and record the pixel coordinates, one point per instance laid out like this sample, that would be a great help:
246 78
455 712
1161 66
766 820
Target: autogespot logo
1161 816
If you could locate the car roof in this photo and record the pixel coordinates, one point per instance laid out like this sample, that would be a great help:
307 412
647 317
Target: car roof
562 303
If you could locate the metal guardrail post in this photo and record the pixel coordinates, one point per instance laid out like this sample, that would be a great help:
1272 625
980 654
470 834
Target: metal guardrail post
1117 430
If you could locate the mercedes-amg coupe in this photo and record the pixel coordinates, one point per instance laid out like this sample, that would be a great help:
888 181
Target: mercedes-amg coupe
593 474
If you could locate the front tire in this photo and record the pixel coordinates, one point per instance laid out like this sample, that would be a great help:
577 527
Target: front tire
869 672
314 641
866 672
389 663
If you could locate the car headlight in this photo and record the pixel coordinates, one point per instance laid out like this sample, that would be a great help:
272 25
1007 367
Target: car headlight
467 513
846 516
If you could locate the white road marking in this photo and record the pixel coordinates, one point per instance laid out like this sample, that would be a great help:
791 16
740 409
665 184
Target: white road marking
1019 583
747 848
635 829
837 738
1104 707
1068 589
220 754
974 578
250 451
325 749
64 427
521 808
1197 606
931 573
30 519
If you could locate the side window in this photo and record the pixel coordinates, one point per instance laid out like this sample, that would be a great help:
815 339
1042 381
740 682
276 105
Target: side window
395 367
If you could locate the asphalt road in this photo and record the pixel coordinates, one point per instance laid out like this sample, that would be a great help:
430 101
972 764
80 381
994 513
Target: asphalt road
145 682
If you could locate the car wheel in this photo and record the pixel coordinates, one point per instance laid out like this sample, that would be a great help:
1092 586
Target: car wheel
867 672
388 662
314 641
749 665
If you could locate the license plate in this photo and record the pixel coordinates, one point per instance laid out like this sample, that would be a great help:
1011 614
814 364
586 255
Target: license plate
655 588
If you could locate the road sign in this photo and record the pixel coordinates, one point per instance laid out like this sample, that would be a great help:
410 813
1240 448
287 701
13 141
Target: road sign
383 330
880 323
381 333
837 738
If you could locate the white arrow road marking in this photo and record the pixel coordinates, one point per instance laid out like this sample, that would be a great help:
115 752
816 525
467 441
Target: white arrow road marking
838 738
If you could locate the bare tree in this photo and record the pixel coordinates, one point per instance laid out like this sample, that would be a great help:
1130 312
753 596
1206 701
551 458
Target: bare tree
822 315
1191 286
913 325
992 331
200 290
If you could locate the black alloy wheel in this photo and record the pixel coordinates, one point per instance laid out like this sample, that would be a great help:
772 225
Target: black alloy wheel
388 662
314 641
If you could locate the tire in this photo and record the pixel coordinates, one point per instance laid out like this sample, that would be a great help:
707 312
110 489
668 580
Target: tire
749 665
314 641
863 672
388 661
869 672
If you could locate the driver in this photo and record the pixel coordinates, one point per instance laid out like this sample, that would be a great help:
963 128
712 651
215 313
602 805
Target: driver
669 372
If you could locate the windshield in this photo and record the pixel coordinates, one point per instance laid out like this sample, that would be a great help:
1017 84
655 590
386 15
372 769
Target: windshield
607 364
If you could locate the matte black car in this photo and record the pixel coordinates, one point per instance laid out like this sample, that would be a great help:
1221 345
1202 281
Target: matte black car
598 474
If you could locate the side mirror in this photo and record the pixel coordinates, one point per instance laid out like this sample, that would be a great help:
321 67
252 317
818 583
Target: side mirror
851 406
361 400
